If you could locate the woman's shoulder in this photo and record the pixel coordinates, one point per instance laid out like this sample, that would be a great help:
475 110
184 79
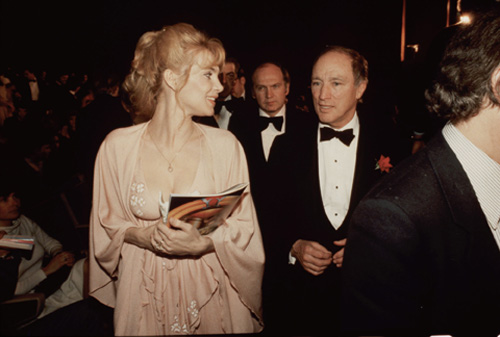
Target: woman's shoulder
217 136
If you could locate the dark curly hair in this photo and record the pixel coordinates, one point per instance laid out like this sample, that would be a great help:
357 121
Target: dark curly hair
463 83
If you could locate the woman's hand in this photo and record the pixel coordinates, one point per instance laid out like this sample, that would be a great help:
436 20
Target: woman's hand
182 239
58 261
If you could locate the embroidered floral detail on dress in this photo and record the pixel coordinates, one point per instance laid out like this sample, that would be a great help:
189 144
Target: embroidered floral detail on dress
140 188
193 310
136 201
177 328
133 200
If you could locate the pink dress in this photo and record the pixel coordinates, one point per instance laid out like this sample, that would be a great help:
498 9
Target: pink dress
217 293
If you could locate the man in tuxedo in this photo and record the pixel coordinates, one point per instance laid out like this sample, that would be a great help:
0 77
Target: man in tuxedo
423 256
31 92
267 129
28 86
228 100
337 162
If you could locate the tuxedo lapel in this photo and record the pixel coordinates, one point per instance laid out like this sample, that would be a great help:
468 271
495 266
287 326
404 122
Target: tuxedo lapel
283 144
368 152
362 167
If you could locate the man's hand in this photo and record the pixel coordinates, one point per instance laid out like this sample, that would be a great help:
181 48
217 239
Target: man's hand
313 257
338 257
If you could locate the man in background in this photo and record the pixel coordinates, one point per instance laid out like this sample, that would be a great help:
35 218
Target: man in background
268 130
227 101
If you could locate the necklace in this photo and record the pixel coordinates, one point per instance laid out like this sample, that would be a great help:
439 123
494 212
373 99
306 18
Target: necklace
170 162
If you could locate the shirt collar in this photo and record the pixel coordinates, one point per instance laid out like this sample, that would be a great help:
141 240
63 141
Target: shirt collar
280 113
353 124
483 172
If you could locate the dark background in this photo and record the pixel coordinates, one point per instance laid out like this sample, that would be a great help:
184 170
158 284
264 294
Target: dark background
90 36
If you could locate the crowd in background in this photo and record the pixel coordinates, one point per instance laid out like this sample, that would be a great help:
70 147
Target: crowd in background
51 125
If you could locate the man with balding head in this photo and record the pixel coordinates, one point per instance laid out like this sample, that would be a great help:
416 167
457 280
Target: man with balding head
268 130
346 151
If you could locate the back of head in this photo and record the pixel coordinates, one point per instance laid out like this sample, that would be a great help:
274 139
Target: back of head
463 81
174 47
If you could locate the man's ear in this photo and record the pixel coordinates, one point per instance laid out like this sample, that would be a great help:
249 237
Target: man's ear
360 90
171 79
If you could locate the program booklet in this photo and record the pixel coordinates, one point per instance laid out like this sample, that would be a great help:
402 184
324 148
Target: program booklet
25 242
205 212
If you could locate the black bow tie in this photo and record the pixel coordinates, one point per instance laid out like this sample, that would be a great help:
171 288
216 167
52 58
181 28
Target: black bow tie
229 104
345 136
264 122
218 106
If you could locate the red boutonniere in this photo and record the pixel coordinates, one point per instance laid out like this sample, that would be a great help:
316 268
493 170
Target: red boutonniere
383 164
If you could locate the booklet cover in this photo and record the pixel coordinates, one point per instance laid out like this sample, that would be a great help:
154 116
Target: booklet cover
17 242
205 212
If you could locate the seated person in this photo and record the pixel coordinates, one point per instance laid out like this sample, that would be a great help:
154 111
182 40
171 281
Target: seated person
33 275
9 264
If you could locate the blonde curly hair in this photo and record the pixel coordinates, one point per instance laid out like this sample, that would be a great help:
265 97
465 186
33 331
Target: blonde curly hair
174 47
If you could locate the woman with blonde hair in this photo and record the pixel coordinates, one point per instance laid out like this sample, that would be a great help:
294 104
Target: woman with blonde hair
165 279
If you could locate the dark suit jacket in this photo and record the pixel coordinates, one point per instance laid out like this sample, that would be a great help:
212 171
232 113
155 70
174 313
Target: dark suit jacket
269 183
420 257
376 137
269 178
309 221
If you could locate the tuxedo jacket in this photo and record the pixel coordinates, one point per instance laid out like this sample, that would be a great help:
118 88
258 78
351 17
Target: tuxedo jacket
23 87
420 256
270 179
315 299
377 136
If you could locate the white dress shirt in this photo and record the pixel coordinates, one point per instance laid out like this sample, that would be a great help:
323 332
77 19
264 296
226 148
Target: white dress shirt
224 116
336 163
483 173
271 132
35 90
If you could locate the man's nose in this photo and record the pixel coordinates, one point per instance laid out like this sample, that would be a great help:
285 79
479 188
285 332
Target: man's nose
324 93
